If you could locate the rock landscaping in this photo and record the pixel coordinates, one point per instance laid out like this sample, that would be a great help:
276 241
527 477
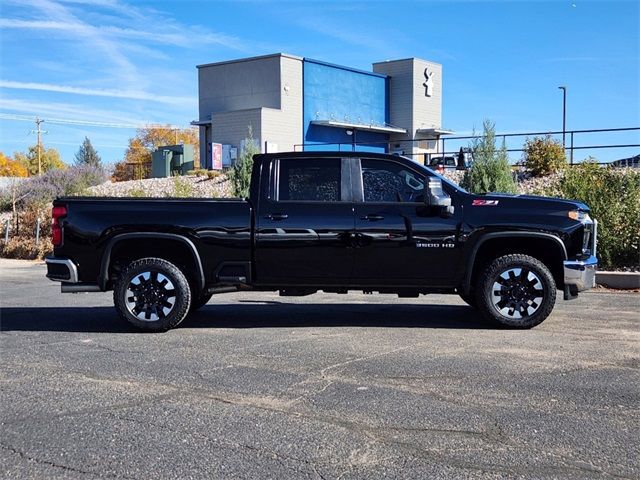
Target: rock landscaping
190 186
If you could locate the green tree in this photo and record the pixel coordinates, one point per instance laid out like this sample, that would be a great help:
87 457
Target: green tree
49 159
240 173
543 156
87 155
490 171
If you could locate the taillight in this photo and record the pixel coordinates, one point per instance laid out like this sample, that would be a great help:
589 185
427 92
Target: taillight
57 214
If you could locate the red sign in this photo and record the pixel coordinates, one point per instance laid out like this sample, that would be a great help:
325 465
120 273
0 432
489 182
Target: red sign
216 156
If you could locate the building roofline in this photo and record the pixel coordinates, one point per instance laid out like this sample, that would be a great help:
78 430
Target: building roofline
250 59
349 69
405 60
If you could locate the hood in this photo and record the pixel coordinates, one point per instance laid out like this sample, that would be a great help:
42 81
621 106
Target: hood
534 201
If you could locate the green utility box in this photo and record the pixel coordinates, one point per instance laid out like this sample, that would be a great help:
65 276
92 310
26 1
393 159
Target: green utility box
172 160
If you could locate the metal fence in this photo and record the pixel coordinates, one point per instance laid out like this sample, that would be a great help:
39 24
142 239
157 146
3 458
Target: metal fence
617 143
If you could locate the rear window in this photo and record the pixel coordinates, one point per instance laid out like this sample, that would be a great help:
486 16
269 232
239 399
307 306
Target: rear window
309 180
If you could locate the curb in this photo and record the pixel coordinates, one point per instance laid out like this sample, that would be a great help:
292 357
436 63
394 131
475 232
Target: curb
619 280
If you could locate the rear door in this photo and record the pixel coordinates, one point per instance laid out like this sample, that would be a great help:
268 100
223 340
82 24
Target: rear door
400 239
305 229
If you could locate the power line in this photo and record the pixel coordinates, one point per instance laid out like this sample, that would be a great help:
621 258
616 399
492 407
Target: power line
66 121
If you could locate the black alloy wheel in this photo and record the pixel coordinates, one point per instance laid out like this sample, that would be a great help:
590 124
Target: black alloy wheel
152 294
516 291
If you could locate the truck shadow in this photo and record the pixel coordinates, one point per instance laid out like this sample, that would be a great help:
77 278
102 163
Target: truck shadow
252 315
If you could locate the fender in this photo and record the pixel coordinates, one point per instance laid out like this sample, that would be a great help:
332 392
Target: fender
106 257
466 286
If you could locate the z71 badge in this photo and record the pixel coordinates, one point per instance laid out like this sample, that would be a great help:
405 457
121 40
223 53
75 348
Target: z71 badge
485 203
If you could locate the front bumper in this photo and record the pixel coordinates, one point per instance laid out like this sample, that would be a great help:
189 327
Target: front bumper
580 275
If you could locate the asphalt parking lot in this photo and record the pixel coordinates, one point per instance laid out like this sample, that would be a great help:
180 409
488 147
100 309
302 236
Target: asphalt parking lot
325 386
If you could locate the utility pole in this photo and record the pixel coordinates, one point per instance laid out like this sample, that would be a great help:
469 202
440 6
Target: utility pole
39 132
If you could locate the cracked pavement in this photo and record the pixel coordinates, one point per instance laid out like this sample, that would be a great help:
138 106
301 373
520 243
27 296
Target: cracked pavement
320 387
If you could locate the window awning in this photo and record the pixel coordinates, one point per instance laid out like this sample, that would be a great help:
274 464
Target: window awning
359 126
435 132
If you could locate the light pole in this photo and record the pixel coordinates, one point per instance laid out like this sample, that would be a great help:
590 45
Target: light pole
564 114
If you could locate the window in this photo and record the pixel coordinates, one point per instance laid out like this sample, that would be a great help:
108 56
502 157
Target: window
385 181
309 180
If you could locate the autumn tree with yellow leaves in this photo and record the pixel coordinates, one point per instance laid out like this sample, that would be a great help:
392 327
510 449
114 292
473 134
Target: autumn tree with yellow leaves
137 158
11 168
49 159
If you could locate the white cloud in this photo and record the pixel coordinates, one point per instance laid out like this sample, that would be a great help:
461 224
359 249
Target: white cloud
69 111
96 92
194 39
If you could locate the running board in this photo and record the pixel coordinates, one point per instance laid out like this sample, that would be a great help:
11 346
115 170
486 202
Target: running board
79 287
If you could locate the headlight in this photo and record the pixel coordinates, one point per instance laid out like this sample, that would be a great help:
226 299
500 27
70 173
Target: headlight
579 215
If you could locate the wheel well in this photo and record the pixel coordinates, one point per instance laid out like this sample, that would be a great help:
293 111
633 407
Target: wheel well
175 251
546 250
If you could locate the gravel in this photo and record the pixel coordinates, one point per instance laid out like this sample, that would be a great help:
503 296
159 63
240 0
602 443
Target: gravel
218 187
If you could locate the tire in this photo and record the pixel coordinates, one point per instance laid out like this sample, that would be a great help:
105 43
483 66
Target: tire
200 301
469 299
152 294
516 291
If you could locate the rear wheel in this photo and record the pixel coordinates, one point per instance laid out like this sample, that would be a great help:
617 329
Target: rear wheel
516 291
152 294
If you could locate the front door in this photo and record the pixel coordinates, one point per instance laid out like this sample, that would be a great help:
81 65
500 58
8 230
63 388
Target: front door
305 231
401 240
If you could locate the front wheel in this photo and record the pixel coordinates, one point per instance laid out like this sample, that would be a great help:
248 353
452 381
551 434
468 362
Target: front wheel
516 291
152 294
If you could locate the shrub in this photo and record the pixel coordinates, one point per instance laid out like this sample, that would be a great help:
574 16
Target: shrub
182 188
614 198
137 193
198 172
211 174
56 183
25 248
490 171
543 156
240 173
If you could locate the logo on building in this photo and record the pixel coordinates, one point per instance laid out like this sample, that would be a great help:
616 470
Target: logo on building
428 84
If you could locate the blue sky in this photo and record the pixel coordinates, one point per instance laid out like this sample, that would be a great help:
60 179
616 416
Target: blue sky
125 63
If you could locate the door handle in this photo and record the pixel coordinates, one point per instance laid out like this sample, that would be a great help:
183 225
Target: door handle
276 216
373 218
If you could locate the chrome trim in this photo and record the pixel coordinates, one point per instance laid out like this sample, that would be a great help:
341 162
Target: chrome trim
581 273
73 270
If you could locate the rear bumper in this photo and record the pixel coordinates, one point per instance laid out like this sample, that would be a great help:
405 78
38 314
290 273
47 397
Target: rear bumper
61 270
580 275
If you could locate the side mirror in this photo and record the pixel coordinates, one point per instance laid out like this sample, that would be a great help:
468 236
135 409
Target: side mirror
436 196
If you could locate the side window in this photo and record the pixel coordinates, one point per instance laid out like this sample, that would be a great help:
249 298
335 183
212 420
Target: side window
384 181
309 180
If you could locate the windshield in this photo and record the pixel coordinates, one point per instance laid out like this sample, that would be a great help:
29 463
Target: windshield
428 171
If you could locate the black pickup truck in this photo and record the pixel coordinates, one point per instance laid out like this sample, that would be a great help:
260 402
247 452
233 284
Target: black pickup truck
329 221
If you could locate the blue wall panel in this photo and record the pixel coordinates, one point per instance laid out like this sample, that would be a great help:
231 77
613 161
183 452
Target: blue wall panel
345 95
